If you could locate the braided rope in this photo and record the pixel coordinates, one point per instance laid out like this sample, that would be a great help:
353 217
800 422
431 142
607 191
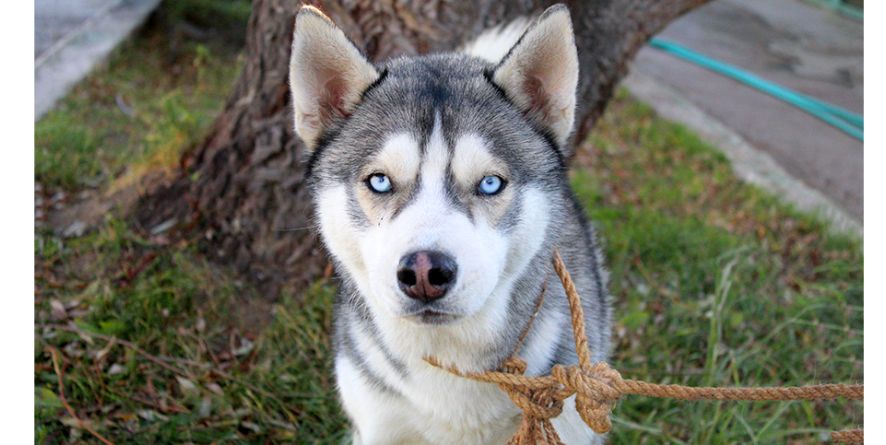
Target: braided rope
848 436
597 386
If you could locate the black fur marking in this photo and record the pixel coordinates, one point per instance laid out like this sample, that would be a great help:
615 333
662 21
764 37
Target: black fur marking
413 193
364 317
452 194
374 84
517 43
349 348
511 218
326 138
355 213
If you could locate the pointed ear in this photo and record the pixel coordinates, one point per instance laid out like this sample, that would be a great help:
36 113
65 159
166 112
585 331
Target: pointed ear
540 73
327 74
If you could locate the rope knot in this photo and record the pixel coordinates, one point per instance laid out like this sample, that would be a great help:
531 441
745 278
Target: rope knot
595 391
538 401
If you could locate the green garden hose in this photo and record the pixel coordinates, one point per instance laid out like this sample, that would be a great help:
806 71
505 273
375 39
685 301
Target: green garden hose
842 119
843 7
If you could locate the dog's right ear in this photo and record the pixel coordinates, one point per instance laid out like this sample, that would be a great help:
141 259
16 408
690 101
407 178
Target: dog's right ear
327 74
540 73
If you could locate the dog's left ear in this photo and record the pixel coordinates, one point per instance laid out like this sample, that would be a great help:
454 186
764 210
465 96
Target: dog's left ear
540 73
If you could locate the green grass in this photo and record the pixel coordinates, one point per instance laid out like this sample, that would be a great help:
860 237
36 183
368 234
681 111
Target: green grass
714 282
717 283
232 365
150 101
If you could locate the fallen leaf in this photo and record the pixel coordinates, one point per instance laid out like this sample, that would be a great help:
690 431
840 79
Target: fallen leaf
205 408
151 415
187 387
215 388
245 347
58 310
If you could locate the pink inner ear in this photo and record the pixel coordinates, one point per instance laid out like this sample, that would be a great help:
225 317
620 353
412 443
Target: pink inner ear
538 98
332 99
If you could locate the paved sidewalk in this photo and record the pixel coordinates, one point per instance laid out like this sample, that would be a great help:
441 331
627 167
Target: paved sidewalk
790 42
72 36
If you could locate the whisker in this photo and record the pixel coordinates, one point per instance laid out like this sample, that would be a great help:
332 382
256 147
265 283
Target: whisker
296 229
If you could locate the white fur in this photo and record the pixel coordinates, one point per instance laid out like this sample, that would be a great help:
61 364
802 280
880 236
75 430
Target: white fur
399 157
471 160
494 43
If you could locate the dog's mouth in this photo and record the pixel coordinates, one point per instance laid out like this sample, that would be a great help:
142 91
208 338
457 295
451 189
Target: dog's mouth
431 316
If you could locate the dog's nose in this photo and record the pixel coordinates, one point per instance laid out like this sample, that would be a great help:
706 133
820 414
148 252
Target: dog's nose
426 275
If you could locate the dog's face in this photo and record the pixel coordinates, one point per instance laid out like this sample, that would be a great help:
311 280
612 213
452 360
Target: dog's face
433 177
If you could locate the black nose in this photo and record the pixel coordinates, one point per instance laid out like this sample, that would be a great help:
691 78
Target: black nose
426 275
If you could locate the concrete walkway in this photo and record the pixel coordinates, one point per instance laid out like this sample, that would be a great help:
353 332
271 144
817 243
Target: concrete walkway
73 36
790 42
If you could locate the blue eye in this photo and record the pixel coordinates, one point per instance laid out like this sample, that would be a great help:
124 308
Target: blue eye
490 185
379 183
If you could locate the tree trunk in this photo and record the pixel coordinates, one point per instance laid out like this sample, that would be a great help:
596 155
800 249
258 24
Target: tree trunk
243 188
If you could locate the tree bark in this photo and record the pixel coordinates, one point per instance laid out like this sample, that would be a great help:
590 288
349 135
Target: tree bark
244 189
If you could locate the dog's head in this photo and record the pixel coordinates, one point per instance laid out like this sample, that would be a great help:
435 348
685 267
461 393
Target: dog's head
434 176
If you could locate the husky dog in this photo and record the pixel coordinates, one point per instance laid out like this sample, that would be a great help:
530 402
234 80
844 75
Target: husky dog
441 192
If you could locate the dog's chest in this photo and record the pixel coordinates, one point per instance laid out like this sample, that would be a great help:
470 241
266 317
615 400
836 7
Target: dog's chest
427 406
463 410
